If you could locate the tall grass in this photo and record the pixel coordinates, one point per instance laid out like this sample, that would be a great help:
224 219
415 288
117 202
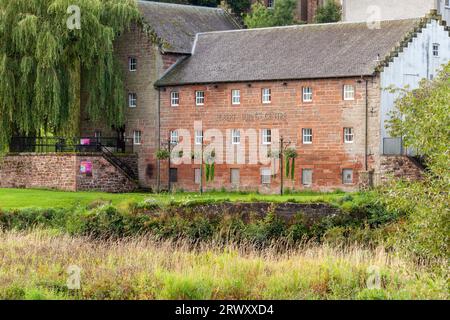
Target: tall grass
33 265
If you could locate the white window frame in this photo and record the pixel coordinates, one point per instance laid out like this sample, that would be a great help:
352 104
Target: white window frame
435 49
447 4
174 99
266 136
303 177
349 92
266 95
132 64
235 136
132 99
307 133
344 181
271 4
235 97
97 134
266 176
349 135
174 138
198 136
199 98
137 137
307 94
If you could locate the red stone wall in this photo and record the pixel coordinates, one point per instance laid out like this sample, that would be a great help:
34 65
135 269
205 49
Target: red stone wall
38 171
62 172
327 115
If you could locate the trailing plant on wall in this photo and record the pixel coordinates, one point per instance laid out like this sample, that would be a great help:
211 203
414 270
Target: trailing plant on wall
210 159
162 154
289 158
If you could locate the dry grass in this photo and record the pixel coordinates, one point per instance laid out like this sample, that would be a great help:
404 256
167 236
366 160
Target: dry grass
33 266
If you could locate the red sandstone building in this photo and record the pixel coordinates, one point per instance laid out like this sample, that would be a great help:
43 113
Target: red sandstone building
197 85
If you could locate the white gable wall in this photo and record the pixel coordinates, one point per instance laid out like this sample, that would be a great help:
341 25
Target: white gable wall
415 63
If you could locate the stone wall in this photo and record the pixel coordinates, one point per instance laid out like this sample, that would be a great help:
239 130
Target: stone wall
31 170
398 167
62 171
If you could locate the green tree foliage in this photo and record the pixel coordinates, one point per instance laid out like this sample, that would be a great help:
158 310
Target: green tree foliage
282 15
422 118
42 59
239 6
330 12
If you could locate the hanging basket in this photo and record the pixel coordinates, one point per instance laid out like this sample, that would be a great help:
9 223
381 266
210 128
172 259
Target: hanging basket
162 154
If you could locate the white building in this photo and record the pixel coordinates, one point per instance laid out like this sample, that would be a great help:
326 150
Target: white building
362 10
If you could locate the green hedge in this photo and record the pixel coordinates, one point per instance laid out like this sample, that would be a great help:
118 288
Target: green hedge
105 220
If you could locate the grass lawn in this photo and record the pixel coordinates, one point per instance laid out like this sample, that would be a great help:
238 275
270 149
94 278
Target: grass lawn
27 198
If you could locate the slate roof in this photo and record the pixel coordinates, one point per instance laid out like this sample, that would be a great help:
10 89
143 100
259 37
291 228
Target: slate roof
287 53
177 24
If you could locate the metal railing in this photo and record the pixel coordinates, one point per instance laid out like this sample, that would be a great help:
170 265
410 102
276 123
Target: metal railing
78 144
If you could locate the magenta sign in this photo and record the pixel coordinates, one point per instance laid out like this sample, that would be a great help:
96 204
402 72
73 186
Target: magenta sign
86 168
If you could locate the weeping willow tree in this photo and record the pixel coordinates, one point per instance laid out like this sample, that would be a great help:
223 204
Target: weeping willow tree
48 57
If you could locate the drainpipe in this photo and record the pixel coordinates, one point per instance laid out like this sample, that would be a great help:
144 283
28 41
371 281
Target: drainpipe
366 147
158 166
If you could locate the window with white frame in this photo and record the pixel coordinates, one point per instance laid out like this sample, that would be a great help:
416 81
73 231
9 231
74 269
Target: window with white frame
198 137
266 95
174 98
132 100
266 136
348 135
97 134
349 92
307 94
447 3
132 64
199 98
435 49
347 176
174 137
235 96
307 135
235 176
137 137
307 177
270 4
266 175
197 175
235 136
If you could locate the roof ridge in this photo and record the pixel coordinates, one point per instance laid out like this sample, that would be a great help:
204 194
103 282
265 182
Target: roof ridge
310 25
178 5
